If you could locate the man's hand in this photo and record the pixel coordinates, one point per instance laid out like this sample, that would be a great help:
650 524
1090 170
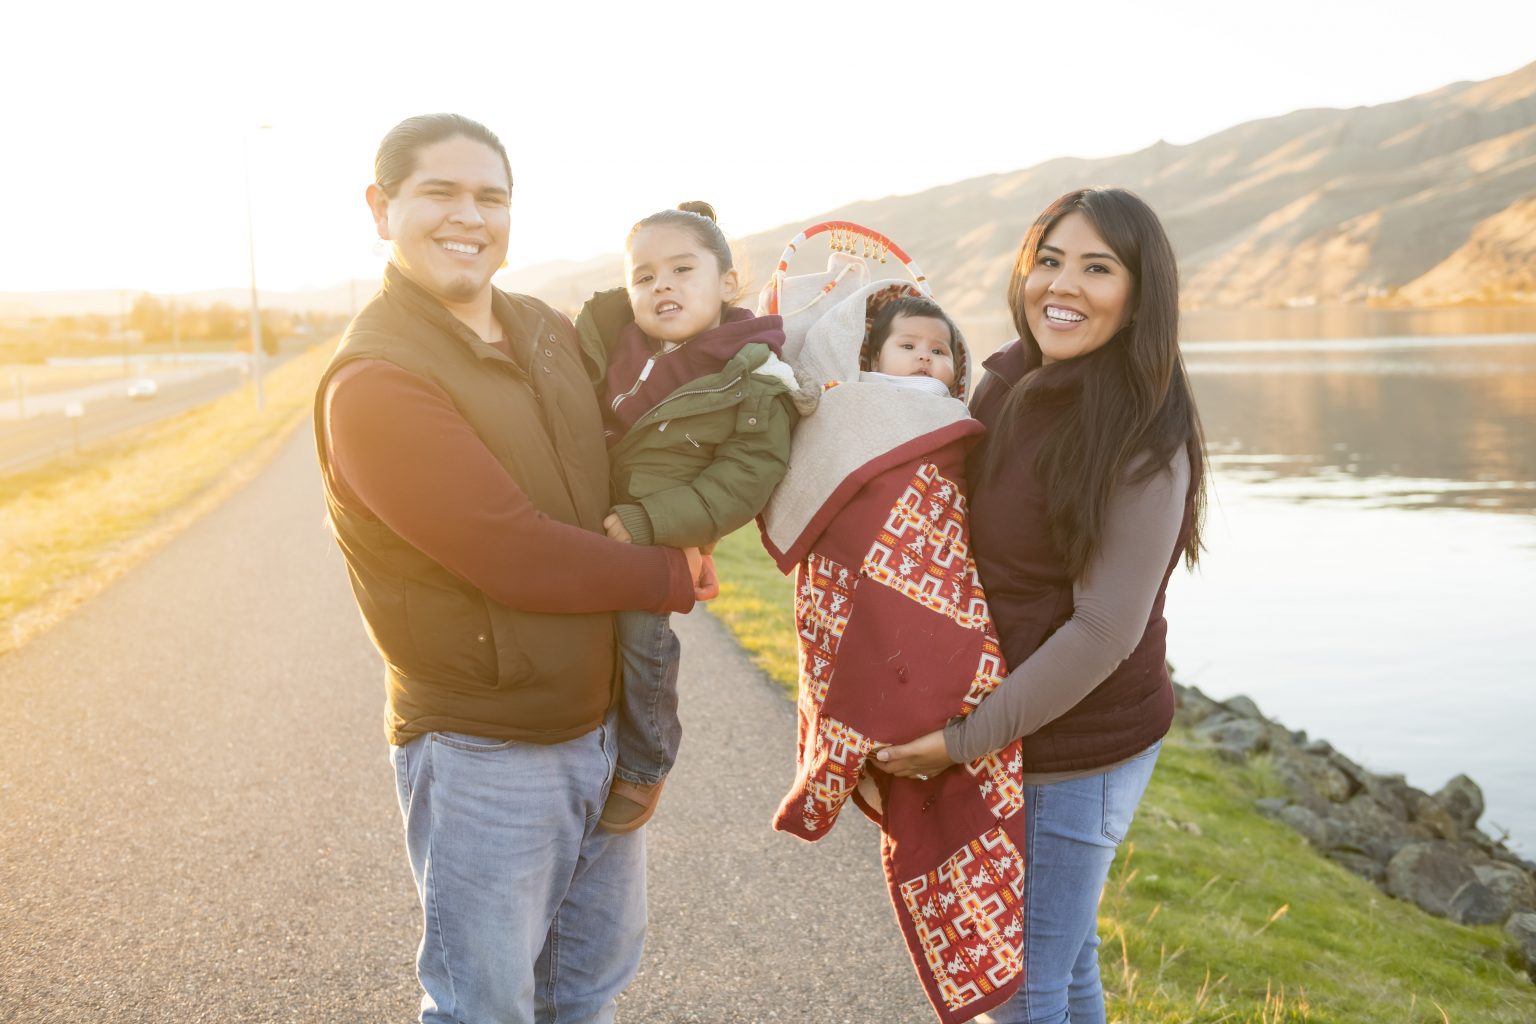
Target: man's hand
701 569
615 527
923 758
706 585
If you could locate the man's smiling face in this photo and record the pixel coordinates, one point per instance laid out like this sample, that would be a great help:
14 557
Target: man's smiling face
449 220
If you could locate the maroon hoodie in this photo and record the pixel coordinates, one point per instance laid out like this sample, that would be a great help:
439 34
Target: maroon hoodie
640 374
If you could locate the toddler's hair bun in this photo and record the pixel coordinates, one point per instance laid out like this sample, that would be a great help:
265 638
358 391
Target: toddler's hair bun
701 208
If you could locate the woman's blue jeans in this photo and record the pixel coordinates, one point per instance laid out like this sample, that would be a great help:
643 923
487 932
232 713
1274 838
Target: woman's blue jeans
1072 832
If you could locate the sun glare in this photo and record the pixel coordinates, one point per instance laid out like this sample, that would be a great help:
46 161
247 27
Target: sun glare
134 173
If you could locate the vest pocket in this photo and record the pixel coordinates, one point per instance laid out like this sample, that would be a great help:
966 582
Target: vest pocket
451 633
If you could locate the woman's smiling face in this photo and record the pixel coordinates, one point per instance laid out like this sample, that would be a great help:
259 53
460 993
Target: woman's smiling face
1078 294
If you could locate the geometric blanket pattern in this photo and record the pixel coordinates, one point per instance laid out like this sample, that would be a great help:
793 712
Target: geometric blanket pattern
895 638
968 919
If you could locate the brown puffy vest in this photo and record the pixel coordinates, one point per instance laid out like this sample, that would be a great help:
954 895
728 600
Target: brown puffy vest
455 660
1029 592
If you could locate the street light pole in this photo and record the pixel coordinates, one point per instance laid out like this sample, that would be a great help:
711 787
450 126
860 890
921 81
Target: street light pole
250 238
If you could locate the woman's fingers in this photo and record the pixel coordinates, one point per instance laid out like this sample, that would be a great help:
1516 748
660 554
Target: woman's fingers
923 757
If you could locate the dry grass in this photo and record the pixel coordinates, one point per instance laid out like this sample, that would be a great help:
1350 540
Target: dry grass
40 378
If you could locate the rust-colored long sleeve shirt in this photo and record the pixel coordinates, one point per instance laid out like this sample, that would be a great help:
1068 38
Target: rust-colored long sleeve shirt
401 452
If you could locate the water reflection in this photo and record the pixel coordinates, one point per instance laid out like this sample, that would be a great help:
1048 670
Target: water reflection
1353 322
1399 634
1415 421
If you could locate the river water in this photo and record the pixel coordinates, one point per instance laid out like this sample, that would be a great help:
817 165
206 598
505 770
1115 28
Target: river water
1371 566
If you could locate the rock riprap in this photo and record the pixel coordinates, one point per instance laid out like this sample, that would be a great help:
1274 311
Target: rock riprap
1424 848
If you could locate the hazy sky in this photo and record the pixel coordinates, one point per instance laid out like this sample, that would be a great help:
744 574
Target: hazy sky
123 165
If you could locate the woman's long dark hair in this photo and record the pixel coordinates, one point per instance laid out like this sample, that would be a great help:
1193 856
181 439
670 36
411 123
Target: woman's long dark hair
1129 397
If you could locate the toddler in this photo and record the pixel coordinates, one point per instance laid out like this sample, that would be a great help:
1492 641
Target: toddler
698 414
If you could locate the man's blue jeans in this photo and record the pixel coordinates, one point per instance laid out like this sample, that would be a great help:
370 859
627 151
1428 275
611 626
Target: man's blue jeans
531 913
1072 831
649 730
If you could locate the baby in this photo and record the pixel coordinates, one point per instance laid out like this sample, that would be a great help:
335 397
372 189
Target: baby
895 637
911 343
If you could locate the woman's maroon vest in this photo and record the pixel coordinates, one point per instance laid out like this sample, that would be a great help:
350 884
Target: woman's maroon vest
1030 594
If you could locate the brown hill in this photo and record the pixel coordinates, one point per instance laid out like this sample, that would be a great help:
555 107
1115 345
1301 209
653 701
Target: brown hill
1425 200
1498 260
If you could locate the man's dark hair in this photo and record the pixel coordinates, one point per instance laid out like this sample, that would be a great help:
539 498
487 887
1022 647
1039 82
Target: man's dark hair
396 159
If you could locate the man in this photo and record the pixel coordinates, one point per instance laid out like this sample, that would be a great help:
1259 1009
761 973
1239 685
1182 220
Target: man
466 478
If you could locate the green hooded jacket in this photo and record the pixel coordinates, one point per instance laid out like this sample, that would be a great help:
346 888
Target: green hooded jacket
702 462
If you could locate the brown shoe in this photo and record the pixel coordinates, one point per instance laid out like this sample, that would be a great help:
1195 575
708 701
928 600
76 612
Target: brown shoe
629 805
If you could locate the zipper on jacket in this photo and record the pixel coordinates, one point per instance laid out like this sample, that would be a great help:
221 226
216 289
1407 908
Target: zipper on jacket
634 430
700 391
549 431
645 371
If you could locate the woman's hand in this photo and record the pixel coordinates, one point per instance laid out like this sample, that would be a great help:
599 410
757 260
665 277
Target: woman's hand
923 758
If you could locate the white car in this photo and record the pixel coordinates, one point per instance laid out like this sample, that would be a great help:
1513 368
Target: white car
143 387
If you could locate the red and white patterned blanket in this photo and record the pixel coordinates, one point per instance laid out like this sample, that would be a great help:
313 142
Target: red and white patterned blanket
895 639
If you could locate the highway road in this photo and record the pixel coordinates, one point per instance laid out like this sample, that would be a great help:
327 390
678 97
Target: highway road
200 821
108 411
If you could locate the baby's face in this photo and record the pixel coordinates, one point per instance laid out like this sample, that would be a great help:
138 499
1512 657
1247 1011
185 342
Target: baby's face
918 346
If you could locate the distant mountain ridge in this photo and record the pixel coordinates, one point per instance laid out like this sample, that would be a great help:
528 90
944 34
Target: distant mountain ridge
1429 200
1426 201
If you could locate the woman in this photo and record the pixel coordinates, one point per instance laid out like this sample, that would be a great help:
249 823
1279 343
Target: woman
1087 490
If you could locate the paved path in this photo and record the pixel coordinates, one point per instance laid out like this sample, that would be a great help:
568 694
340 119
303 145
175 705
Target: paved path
197 818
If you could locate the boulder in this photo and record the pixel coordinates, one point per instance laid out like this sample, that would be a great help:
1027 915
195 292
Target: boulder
1362 824
1236 739
1321 748
1462 798
1476 839
1509 882
1522 928
1426 810
1366 867
1304 775
1358 776
1475 903
1271 806
1192 706
1280 736
1244 707
1505 855
1315 829
1429 874
1390 792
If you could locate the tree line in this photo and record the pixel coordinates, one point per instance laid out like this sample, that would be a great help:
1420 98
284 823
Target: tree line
152 321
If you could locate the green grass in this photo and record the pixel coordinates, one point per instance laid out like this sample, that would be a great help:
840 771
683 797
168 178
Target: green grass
756 603
75 523
1213 913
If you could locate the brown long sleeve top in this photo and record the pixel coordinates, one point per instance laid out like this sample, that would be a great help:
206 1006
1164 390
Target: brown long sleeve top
401 451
